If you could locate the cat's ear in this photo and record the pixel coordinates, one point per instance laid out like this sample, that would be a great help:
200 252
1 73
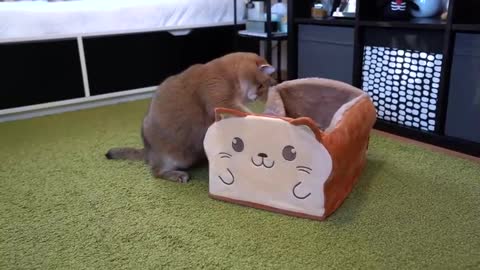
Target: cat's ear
266 69
224 113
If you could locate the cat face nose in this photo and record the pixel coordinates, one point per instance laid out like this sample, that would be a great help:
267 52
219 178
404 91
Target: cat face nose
263 155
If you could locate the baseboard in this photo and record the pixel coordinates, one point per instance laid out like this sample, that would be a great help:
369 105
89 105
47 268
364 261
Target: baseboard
75 105
430 147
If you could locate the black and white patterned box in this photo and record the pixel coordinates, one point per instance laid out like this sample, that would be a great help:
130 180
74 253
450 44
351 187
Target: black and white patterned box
403 84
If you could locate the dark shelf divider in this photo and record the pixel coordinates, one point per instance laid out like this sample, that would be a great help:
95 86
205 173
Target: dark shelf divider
445 73
292 63
466 28
358 42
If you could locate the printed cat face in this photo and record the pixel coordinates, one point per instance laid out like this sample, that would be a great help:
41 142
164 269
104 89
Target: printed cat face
268 161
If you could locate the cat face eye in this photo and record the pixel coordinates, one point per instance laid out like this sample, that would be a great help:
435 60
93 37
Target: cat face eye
237 144
289 153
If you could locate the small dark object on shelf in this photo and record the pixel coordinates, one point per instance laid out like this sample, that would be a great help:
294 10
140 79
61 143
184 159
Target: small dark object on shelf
397 9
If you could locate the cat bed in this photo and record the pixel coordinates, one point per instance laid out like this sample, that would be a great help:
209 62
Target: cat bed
301 156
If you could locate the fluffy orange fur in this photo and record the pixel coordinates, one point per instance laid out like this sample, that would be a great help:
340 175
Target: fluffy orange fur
183 107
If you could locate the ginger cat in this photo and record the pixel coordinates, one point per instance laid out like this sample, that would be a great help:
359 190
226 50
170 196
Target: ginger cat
182 109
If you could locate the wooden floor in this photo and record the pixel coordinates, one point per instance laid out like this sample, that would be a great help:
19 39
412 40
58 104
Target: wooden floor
428 146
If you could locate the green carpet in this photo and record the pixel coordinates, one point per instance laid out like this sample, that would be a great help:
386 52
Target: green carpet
63 205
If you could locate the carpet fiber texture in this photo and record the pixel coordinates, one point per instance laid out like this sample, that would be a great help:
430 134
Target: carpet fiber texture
63 205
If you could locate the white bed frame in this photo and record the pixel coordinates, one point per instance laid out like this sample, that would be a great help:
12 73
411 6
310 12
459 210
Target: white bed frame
88 101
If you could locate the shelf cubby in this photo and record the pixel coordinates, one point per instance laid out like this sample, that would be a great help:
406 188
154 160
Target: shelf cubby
371 10
465 12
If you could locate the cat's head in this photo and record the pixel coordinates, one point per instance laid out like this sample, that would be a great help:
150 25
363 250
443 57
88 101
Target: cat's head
255 77
275 162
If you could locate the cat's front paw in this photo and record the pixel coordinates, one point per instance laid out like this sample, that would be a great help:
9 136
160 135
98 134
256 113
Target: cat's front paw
183 177
227 178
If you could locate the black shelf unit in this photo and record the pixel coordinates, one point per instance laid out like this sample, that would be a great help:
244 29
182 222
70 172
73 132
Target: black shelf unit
270 36
439 78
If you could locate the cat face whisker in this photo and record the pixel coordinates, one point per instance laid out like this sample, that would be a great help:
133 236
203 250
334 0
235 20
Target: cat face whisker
225 155
303 170
304 167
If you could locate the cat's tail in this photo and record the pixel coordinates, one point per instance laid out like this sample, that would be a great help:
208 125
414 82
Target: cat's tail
126 153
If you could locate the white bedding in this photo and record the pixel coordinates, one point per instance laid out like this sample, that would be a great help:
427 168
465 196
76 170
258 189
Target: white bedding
28 20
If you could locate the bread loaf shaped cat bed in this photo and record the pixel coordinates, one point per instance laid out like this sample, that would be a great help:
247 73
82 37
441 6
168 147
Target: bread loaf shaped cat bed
301 157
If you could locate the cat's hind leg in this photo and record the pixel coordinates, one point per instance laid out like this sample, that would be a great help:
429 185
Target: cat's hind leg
167 168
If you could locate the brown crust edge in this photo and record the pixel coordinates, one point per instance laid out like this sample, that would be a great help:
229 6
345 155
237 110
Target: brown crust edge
307 121
267 208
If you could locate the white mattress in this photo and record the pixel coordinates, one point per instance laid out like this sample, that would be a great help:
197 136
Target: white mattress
29 20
